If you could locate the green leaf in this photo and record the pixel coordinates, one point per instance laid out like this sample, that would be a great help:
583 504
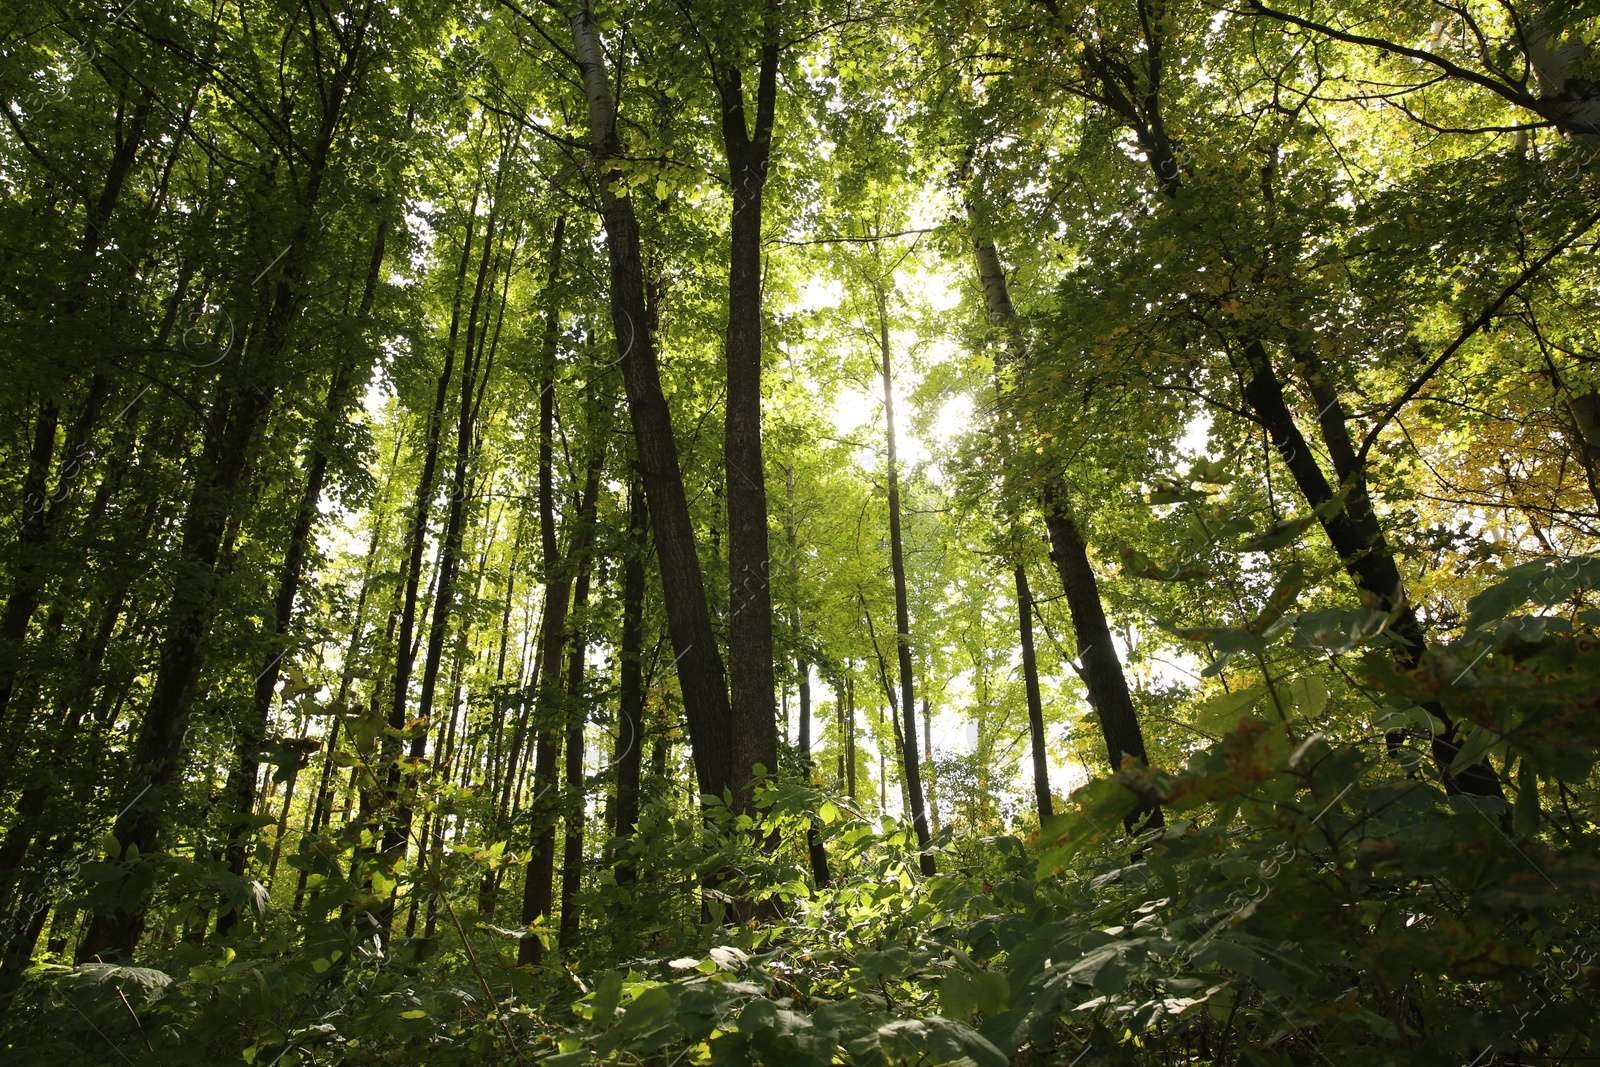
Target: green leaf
1279 534
607 995
1476 746
1307 695
1095 811
1221 713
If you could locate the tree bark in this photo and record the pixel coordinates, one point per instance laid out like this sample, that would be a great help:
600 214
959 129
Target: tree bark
701 677
902 613
750 651
577 717
242 780
537 896
629 754
237 412
1030 680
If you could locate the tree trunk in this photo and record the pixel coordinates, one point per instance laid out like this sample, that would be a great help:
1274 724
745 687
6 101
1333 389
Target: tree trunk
1357 537
394 837
577 717
237 412
850 737
547 724
1097 654
699 662
1030 678
902 614
1105 682
629 756
537 898
750 655
40 501
814 847
242 780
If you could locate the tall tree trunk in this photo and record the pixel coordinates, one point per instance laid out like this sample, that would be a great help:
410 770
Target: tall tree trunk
321 813
750 655
1353 530
850 736
242 781
237 412
1357 537
451 537
815 849
394 837
548 723
1030 679
902 613
701 678
1097 653
577 713
629 756
537 895
1100 668
814 846
40 501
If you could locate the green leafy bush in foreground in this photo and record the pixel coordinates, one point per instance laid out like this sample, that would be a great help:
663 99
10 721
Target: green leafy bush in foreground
1311 900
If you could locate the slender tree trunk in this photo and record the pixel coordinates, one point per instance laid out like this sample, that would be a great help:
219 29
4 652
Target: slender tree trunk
395 835
699 662
577 716
1357 537
322 806
237 412
902 614
1100 668
247 765
1030 678
537 896
40 502
850 737
629 756
814 846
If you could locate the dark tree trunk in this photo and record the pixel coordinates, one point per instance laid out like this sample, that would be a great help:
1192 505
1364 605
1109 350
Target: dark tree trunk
629 755
902 613
1030 679
547 719
750 655
699 662
41 504
394 837
577 713
242 779
237 412
1357 537
1105 682
814 847
537 897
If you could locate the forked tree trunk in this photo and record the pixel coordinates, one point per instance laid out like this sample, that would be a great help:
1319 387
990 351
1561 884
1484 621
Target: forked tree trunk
750 656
